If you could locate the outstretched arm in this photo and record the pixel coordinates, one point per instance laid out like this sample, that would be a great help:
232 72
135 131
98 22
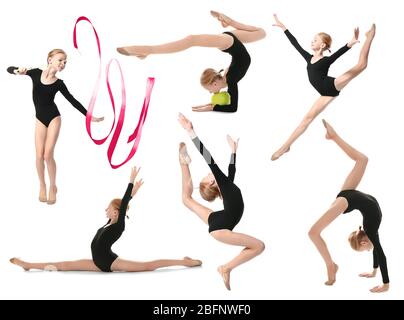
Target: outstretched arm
278 23
17 70
69 97
187 125
130 192
232 165
361 161
345 48
292 39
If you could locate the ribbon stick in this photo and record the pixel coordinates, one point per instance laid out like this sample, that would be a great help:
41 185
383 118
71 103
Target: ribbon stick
136 135
97 85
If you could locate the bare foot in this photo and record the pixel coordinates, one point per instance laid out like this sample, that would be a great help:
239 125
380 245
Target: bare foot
224 20
42 193
192 262
52 195
330 134
332 274
372 32
140 52
279 153
19 263
183 154
225 273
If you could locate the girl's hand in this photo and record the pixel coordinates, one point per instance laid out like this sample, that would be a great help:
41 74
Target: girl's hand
185 122
368 274
278 23
21 71
203 108
133 174
137 186
95 119
233 144
355 38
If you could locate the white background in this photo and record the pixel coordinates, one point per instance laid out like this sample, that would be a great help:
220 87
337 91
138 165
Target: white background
282 199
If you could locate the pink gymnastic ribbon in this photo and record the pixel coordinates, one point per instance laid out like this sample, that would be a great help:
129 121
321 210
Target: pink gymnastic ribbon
115 137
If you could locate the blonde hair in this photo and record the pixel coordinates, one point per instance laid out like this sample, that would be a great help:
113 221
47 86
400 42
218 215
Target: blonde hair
209 76
208 192
355 239
116 204
326 38
55 52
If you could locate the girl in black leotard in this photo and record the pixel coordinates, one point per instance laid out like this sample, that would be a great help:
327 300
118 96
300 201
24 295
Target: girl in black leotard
103 258
217 184
211 80
347 200
317 69
45 87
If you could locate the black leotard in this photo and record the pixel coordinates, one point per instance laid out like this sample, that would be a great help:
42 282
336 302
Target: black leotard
44 95
318 71
372 217
240 61
231 194
107 235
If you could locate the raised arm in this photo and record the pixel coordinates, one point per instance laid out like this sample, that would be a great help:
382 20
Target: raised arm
338 53
232 165
345 48
361 161
278 23
298 47
292 39
187 125
130 192
75 103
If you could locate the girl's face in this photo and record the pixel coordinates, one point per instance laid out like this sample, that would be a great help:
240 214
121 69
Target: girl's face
214 87
317 43
366 245
58 61
209 179
111 212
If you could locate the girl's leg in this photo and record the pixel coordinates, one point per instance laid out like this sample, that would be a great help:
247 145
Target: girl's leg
339 206
316 109
187 186
219 41
51 139
361 161
343 80
79 265
133 266
245 33
40 138
252 248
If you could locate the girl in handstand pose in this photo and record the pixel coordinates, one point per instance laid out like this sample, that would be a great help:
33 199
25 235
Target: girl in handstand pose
231 42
